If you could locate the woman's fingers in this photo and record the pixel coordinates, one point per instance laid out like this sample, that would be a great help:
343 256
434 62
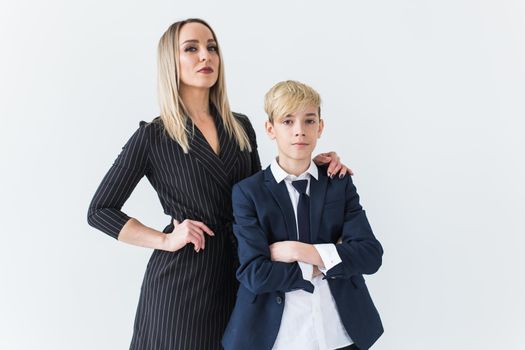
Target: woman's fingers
336 167
203 227
345 170
193 231
197 229
335 164
335 170
195 240
321 159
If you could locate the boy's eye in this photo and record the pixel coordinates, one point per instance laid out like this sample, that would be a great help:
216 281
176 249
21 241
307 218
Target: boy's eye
287 122
310 121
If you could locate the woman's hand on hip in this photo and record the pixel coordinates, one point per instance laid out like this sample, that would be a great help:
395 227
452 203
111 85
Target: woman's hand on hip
188 231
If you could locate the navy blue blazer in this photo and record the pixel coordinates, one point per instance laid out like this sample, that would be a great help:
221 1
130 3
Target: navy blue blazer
263 215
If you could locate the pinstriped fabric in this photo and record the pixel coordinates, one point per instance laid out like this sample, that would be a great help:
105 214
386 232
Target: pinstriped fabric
186 297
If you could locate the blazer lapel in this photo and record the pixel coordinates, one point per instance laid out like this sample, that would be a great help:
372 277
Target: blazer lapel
281 196
317 192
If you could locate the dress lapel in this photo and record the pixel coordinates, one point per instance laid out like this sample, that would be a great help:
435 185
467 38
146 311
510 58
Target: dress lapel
229 150
202 151
281 196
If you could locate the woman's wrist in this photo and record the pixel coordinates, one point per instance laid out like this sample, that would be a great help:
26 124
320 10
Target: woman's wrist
135 233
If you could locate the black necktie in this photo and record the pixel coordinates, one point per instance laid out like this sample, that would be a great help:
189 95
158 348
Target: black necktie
303 211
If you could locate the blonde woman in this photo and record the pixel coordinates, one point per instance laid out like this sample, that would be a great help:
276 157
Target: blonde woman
192 155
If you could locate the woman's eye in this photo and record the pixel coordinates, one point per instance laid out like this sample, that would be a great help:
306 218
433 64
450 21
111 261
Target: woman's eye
212 48
190 49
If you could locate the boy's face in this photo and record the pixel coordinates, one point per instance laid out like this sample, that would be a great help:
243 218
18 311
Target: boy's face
296 133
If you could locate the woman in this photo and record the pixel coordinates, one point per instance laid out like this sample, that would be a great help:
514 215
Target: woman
192 155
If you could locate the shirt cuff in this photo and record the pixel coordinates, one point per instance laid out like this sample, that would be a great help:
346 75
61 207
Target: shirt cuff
329 255
307 270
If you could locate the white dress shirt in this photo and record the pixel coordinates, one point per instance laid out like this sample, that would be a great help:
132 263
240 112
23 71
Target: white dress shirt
310 320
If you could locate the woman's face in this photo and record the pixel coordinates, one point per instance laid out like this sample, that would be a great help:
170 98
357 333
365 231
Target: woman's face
198 56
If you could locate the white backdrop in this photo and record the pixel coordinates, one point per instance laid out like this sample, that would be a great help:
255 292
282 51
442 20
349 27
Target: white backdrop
423 99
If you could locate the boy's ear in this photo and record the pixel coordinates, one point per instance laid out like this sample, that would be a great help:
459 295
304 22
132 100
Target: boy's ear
321 127
269 129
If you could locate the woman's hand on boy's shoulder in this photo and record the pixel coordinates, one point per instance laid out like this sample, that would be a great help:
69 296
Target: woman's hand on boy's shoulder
335 167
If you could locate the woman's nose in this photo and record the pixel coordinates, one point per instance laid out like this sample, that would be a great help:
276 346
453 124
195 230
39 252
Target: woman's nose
204 55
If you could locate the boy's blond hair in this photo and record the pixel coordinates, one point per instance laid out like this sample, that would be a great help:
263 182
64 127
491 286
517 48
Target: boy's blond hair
290 96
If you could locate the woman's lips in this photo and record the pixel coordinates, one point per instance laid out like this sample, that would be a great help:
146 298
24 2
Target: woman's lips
206 70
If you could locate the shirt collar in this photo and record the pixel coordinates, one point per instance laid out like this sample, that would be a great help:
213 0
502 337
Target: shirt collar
279 174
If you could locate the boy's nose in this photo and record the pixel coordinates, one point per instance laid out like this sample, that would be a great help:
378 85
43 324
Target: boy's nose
299 130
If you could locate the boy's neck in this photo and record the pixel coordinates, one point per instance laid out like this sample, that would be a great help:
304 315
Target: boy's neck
293 166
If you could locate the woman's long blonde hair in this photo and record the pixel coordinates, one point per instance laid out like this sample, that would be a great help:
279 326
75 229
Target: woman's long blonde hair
172 110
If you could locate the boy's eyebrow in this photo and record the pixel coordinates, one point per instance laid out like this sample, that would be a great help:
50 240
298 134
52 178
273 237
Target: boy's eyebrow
306 115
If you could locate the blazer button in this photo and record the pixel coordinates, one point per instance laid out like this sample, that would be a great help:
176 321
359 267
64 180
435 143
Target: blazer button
279 300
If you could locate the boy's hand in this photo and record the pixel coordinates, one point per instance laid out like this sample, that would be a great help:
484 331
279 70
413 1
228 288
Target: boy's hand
292 251
285 251
316 271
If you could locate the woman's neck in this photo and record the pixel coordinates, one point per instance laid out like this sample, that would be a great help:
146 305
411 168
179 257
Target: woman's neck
197 102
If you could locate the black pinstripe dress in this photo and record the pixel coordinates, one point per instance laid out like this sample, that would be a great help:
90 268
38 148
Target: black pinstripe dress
186 297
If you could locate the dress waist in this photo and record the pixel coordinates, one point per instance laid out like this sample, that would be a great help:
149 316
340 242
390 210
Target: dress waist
222 227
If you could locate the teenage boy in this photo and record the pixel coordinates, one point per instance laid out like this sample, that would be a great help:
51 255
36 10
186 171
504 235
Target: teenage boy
304 243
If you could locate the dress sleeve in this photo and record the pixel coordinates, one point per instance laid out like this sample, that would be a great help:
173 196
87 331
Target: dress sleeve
131 165
255 160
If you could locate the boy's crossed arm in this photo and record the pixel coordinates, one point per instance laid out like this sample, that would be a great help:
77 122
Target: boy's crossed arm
257 272
358 249
294 251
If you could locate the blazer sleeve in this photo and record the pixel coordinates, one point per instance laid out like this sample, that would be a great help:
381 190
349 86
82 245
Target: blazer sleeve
360 251
257 272
131 165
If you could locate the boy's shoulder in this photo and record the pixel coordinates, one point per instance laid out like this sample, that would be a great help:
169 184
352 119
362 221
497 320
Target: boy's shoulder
335 186
256 179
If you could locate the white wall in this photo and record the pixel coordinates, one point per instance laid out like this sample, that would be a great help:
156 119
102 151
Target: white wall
423 99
